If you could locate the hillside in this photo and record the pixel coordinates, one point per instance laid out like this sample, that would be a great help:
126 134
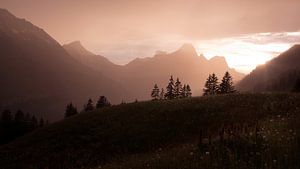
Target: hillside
231 131
141 74
280 74
39 76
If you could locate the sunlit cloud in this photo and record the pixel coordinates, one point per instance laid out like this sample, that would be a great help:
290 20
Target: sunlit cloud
245 52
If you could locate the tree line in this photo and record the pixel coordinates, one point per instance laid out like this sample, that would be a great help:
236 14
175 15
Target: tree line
213 87
174 90
102 102
17 124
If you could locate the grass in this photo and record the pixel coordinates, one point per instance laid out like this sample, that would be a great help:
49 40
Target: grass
260 131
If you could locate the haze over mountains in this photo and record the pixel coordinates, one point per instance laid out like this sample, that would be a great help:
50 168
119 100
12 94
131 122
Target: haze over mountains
41 76
280 74
99 105
140 75
38 75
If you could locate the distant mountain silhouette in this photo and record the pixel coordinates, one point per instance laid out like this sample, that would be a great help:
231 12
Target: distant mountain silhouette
96 62
280 74
38 75
139 75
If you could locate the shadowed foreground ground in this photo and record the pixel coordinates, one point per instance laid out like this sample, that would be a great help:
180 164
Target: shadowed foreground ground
234 131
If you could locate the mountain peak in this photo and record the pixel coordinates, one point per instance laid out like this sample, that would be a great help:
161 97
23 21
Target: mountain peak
76 44
219 60
78 47
187 49
4 12
6 16
80 53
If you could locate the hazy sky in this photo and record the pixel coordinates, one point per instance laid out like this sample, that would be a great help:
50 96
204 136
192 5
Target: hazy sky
124 29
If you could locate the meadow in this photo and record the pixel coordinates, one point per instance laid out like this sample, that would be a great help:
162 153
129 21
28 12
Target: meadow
243 131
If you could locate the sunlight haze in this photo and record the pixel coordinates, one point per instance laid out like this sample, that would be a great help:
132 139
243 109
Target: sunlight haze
125 30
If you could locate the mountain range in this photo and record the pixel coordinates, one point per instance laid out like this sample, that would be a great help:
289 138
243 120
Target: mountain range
140 75
40 75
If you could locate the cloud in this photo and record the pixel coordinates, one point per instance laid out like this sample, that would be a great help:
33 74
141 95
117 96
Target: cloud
245 52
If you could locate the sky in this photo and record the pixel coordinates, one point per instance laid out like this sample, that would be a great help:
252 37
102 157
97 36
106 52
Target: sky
246 32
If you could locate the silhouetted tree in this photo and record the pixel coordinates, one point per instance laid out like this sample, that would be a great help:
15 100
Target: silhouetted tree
41 123
162 94
102 102
226 85
207 86
188 91
6 118
170 89
13 127
70 110
184 91
89 106
19 123
177 89
6 128
19 117
155 92
34 121
211 85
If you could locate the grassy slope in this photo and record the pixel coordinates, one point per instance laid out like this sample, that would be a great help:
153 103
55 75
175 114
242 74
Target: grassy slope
152 134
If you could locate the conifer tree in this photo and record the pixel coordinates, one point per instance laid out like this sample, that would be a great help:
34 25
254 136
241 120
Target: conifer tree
70 110
215 84
19 126
170 89
184 91
226 85
89 106
102 102
34 121
211 85
41 123
19 117
207 86
177 89
6 118
155 92
162 94
188 91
